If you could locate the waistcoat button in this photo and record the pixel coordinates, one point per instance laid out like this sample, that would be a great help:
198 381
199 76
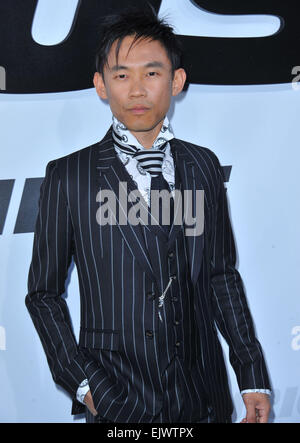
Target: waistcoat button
150 295
149 333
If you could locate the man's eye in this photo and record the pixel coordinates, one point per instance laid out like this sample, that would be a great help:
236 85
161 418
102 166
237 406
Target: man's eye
152 73
121 76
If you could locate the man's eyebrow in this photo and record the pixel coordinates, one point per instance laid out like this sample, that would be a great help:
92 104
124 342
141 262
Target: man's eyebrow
154 64
118 68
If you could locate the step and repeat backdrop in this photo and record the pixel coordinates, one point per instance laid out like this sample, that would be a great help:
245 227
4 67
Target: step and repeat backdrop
242 102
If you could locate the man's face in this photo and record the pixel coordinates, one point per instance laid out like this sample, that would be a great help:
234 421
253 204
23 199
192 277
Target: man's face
139 86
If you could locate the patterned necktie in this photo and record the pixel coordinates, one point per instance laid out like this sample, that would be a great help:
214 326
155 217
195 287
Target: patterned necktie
149 160
159 183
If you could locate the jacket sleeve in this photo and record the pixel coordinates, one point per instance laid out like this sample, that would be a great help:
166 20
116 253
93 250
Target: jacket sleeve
231 311
51 257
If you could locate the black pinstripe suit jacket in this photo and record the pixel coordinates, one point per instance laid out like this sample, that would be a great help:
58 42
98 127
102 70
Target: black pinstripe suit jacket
66 227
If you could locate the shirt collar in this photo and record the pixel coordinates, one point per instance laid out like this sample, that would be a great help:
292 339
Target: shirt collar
127 138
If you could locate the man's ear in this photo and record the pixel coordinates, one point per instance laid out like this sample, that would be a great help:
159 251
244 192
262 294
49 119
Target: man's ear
100 85
178 81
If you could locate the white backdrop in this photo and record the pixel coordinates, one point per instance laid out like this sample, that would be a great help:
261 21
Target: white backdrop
255 129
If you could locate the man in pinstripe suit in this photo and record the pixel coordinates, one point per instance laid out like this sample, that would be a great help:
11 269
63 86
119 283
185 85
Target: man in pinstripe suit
151 294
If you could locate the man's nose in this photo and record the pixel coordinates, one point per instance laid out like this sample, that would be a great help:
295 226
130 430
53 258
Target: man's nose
137 88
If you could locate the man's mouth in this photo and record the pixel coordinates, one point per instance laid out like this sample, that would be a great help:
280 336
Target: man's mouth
138 110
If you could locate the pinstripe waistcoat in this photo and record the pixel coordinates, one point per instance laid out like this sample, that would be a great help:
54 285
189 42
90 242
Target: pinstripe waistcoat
125 352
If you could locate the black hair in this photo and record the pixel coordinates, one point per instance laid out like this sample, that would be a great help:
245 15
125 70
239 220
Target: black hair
142 25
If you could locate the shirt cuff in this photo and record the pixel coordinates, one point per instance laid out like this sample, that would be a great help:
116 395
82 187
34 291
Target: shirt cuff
260 391
82 390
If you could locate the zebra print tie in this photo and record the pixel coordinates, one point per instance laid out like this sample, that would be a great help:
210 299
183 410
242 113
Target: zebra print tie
149 159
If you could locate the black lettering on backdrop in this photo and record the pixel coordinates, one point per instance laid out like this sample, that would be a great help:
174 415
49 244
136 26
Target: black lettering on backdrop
28 208
68 66
6 187
251 60
34 68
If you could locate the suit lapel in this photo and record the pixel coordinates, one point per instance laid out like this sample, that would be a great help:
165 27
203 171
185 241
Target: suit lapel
192 180
110 172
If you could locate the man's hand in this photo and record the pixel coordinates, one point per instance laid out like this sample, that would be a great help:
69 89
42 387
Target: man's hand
257 407
88 400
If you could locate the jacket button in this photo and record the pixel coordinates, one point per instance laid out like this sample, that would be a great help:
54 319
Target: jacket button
149 333
176 322
177 343
171 254
174 298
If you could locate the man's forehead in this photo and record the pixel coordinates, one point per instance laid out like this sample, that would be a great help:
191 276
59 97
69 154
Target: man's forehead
124 49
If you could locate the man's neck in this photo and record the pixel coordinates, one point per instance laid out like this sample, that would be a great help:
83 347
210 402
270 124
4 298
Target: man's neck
147 138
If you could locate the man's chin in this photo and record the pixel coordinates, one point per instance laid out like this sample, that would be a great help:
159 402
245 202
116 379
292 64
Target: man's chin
138 125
